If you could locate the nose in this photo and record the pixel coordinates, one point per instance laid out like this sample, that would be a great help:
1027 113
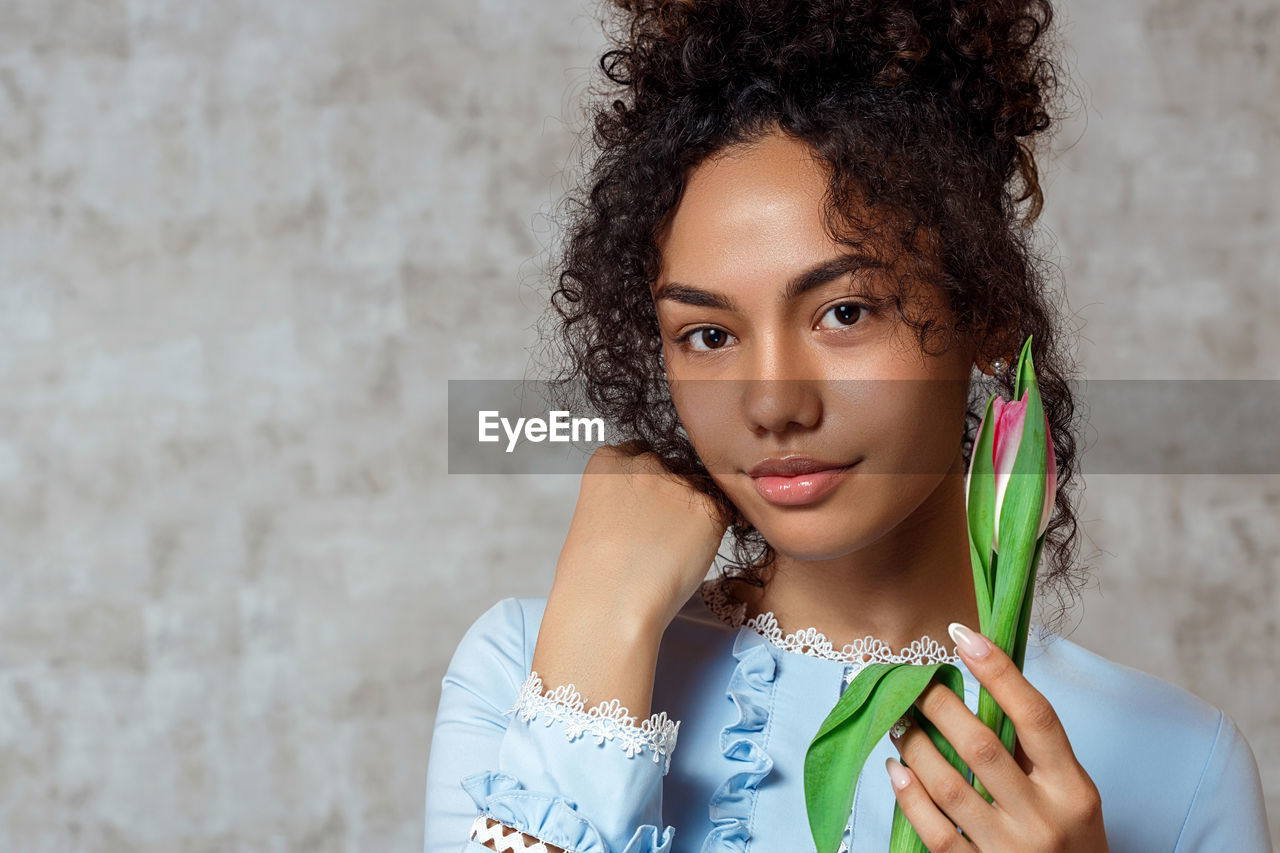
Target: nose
782 393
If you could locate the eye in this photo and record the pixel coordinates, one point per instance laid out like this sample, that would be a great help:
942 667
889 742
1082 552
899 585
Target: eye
710 335
847 314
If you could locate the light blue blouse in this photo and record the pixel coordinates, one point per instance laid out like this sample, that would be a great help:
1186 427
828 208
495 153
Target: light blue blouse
1174 773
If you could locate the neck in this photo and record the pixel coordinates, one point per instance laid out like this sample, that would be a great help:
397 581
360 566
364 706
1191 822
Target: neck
910 583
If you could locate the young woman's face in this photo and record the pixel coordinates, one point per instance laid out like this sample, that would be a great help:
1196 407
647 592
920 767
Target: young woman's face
758 370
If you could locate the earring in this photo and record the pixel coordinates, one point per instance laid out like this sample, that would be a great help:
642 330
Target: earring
999 365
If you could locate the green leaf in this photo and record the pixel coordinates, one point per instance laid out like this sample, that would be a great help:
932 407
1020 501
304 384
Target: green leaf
989 711
1024 378
870 705
1019 522
981 514
953 678
903 837
1020 512
1024 622
1007 733
981 587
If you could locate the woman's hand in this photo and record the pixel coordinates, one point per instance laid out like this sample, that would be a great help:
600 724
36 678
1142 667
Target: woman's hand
1043 799
641 539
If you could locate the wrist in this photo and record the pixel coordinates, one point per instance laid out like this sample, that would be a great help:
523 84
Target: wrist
606 652
626 612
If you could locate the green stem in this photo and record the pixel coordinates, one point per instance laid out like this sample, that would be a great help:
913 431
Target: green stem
991 714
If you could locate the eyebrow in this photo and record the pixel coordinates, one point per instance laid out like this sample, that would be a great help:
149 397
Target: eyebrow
816 276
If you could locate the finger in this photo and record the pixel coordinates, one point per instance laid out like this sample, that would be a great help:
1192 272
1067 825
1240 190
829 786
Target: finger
1020 756
979 746
949 791
938 833
1035 721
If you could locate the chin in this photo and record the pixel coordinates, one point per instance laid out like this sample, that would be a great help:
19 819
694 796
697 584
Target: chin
821 532
811 552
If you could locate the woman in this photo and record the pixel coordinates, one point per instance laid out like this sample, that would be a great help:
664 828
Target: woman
805 234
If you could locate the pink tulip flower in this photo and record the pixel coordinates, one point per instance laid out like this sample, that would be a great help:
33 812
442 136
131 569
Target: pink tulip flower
1007 436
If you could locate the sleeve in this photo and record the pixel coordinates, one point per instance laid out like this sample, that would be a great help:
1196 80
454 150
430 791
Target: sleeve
585 780
1227 811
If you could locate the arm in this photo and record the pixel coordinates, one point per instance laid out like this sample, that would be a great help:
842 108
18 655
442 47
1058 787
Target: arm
1227 811
608 649
509 752
638 546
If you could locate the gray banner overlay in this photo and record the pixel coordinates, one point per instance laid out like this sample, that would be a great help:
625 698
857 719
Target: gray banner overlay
1123 426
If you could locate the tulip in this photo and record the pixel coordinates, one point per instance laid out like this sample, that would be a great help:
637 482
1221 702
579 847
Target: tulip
1003 489
1008 418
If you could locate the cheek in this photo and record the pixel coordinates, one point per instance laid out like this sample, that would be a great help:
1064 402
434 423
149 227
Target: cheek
704 409
912 426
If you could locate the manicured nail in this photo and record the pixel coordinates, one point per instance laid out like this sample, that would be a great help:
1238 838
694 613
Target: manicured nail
973 645
898 775
900 728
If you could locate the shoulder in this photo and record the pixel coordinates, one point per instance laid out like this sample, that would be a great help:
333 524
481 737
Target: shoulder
502 631
1100 688
491 658
1160 755
1102 701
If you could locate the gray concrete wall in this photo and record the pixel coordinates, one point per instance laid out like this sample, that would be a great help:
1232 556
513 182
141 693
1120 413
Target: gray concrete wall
244 245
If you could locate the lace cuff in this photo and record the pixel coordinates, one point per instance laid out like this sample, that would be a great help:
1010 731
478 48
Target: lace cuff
606 721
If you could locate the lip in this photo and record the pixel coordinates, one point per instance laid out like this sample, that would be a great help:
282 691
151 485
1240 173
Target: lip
796 480
790 466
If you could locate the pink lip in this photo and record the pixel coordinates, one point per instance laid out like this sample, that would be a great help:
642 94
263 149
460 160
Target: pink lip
799 489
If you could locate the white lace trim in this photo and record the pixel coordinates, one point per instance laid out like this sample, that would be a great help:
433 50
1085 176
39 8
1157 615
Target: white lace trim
812 642
607 721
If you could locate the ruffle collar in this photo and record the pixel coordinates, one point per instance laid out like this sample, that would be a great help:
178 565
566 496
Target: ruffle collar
751 687
812 642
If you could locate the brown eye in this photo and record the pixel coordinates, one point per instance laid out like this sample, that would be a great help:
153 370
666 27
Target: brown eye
847 313
710 336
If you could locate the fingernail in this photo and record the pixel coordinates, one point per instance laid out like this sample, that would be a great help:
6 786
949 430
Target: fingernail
898 775
899 728
974 646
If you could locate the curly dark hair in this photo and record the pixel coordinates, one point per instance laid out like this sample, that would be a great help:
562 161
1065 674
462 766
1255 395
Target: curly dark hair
925 113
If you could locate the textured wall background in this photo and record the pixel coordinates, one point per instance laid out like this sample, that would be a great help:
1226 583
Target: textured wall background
243 246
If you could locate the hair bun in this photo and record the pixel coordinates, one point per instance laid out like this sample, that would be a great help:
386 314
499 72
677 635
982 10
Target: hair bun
990 60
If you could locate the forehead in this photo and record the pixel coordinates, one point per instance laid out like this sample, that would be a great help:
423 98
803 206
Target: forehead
751 219
750 222
756 209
